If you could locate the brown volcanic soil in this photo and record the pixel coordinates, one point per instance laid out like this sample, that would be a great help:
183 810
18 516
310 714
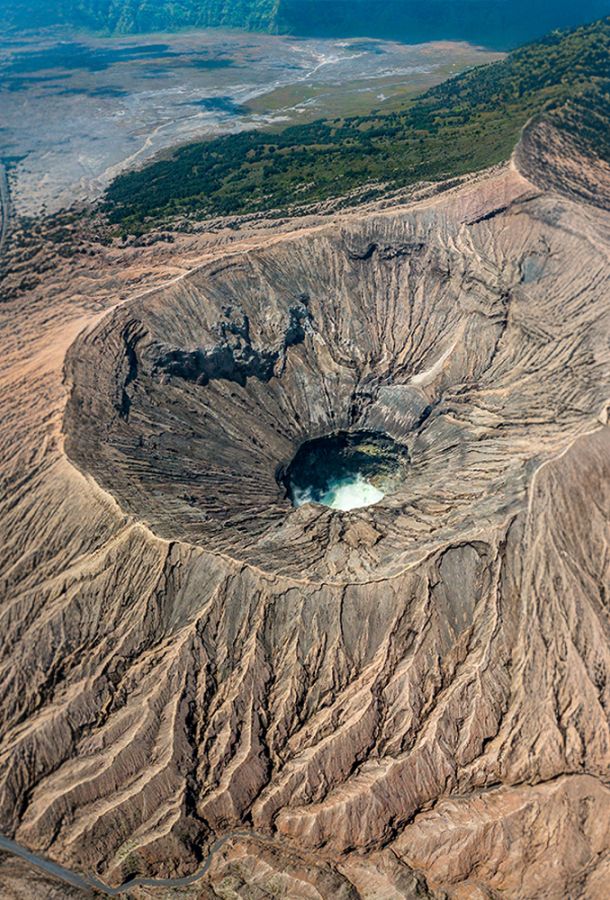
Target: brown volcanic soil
407 700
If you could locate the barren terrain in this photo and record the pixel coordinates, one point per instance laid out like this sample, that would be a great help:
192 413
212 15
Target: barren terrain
409 700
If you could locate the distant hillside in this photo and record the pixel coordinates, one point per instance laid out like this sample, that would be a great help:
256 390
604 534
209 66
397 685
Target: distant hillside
499 24
133 16
494 23
463 125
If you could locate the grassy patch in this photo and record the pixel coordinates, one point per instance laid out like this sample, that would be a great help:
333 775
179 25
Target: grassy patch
463 125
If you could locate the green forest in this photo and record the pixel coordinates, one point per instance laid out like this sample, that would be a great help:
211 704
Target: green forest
499 24
133 16
463 125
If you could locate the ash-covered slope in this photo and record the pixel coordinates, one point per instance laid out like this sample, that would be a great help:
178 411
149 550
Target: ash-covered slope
399 325
406 700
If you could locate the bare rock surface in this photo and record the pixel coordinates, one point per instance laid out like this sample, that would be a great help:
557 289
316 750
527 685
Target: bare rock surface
409 700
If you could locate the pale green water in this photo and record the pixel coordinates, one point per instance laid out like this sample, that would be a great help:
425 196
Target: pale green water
345 470
343 494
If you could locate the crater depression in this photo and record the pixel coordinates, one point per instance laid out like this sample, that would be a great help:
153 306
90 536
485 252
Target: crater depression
186 404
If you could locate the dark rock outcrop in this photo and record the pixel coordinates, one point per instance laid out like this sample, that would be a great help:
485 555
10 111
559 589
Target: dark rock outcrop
234 357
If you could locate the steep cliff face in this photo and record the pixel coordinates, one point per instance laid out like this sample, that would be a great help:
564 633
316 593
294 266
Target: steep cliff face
493 23
405 700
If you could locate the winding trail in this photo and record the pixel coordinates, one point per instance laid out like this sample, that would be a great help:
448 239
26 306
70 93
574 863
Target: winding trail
90 882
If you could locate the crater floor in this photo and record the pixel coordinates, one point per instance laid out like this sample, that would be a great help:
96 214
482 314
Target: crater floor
407 699
346 470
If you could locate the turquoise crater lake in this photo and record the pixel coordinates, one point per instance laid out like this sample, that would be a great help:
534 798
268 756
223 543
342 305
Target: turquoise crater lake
345 471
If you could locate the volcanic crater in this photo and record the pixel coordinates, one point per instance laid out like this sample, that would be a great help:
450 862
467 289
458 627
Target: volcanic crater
186 404
406 699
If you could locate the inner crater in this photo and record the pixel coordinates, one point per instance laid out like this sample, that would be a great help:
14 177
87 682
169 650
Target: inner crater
345 470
